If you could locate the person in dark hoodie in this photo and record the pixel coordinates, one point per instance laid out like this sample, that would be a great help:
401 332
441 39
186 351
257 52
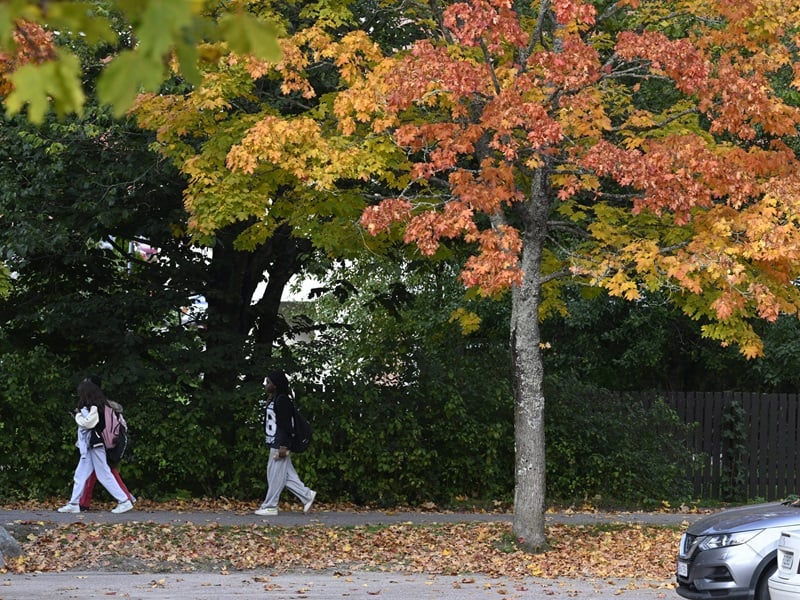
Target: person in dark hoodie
280 471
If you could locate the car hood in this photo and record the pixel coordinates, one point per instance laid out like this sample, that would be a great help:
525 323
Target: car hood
747 518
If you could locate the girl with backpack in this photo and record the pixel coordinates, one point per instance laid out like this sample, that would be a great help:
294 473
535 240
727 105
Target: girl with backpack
88 490
90 417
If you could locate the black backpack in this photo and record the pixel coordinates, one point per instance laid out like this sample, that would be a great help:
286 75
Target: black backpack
301 431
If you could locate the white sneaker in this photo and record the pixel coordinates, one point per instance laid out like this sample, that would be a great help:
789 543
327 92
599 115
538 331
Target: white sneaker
70 508
122 507
307 505
267 511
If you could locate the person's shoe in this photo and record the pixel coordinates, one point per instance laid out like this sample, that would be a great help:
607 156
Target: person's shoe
84 508
70 508
267 511
122 507
132 498
307 505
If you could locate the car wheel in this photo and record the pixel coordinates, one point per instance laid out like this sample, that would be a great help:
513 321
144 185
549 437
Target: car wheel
762 589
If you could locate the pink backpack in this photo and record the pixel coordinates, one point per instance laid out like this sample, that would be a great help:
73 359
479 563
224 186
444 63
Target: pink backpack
111 432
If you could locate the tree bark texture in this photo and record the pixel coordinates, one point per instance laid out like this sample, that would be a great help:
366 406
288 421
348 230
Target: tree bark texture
529 494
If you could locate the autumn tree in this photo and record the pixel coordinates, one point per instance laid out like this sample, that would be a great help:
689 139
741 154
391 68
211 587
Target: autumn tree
270 180
632 145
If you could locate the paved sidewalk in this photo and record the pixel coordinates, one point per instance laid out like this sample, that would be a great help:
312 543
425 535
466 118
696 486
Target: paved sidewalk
316 585
338 518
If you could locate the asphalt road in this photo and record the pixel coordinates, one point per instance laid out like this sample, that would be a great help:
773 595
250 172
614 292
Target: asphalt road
311 586
317 585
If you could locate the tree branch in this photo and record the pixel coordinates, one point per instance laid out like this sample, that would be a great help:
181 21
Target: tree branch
675 117
569 228
538 32
488 60
555 275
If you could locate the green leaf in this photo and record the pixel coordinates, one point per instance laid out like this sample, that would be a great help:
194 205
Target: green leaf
58 81
161 26
187 56
247 35
10 12
125 77
6 25
6 281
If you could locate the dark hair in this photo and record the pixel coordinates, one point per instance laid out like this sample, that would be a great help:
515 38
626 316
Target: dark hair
95 379
278 378
90 394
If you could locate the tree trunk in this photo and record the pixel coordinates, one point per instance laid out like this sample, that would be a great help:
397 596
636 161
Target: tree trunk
232 317
528 373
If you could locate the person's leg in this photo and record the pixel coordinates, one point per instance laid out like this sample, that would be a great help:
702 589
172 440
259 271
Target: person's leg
276 478
82 473
118 477
88 490
293 483
104 476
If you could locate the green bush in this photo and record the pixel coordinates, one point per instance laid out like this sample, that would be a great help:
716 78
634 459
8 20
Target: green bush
734 432
183 440
430 439
608 448
393 445
37 447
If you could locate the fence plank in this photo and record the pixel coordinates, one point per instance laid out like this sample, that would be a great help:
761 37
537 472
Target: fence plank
781 442
750 405
793 438
765 416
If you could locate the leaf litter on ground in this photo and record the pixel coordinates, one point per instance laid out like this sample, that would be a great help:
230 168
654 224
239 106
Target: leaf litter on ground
642 553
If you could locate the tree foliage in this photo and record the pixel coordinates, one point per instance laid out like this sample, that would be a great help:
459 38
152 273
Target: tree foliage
258 147
651 344
159 36
708 178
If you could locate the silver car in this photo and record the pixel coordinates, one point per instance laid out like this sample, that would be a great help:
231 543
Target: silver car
733 553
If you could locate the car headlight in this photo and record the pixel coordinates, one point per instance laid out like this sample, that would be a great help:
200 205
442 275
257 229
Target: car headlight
723 540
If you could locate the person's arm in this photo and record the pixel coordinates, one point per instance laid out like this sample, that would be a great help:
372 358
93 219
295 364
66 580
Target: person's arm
87 420
283 422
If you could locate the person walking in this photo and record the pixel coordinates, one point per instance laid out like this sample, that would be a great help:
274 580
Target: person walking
280 471
88 490
90 417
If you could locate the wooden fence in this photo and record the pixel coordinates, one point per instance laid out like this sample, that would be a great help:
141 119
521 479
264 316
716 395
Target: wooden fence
745 445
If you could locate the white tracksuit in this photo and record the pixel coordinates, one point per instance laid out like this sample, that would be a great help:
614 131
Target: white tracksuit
92 459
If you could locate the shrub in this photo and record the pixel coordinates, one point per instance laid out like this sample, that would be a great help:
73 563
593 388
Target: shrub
606 447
